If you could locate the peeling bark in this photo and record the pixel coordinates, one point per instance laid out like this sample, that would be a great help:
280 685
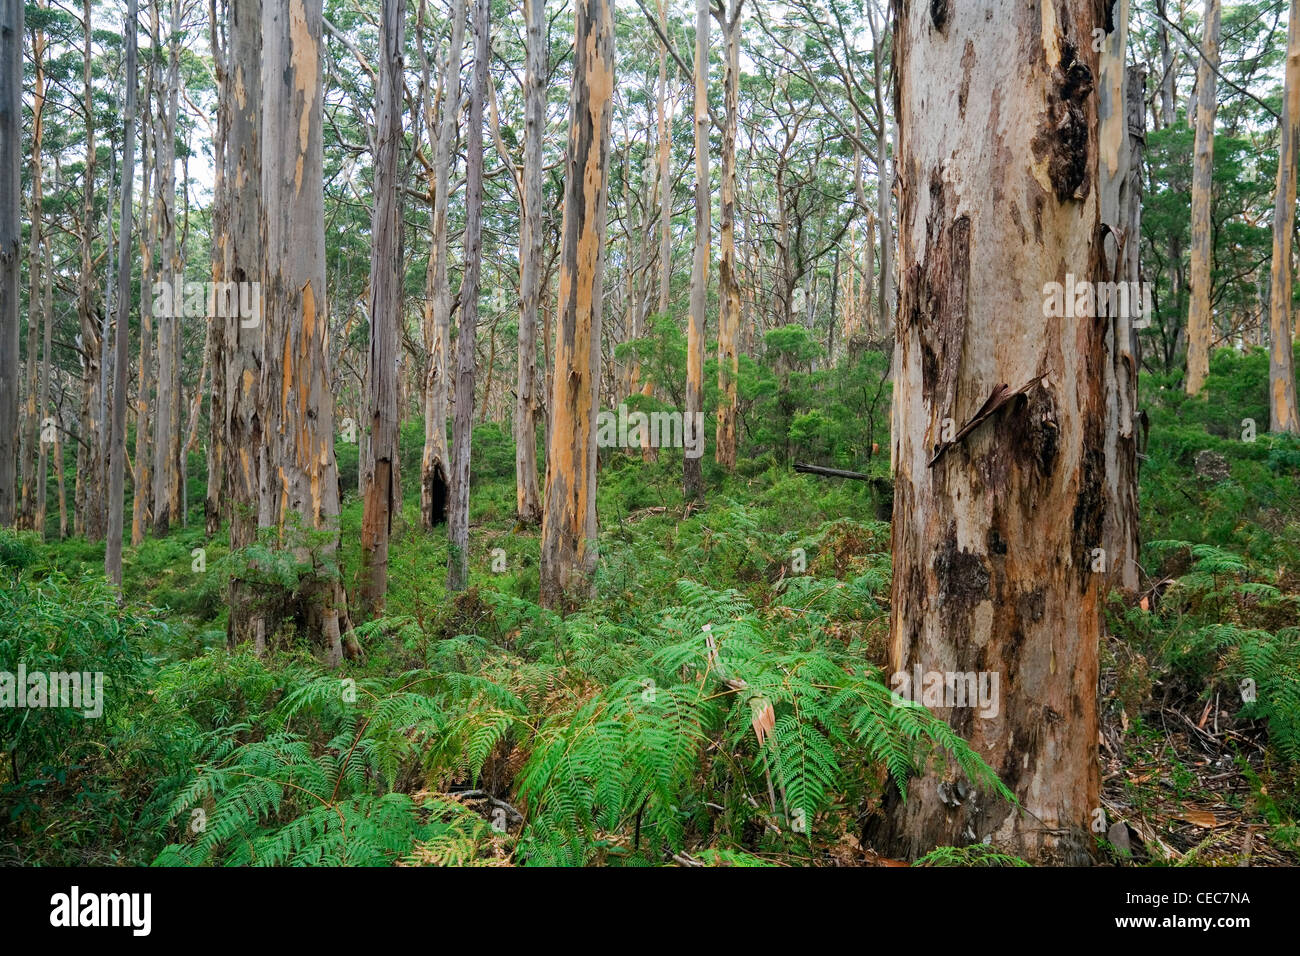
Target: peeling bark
1283 415
379 464
568 552
1200 319
992 540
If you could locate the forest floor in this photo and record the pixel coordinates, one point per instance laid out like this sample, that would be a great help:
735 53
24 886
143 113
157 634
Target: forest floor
520 714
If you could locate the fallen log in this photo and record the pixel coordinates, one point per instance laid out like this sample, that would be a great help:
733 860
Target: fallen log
806 469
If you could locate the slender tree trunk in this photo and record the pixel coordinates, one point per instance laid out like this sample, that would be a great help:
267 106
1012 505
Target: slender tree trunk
1283 416
435 468
568 551
31 416
528 499
692 470
142 508
164 426
121 344
1167 102
47 346
728 286
1121 117
884 189
467 332
385 316
215 501
1200 317
241 248
11 137
299 476
994 530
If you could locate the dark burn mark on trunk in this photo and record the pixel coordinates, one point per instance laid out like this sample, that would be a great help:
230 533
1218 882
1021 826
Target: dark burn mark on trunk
1063 137
962 577
967 64
939 15
1089 512
1035 438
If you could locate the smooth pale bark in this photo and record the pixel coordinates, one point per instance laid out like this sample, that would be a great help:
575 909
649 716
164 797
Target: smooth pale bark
568 550
467 330
164 451
692 469
993 534
299 475
1167 101
11 116
241 250
528 499
142 480
435 466
884 188
728 284
1200 318
43 403
1121 116
90 463
121 343
664 144
378 499
31 414
1282 412
215 500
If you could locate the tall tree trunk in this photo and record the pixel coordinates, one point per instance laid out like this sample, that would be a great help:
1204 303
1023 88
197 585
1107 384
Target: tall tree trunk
435 467
215 501
1283 415
692 468
164 470
1167 101
1121 118
885 186
993 533
568 551
728 285
43 405
1200 318
241 248
11 138
299 475
467 331
142 507
121 338
31 416
385 315
92 341
528 500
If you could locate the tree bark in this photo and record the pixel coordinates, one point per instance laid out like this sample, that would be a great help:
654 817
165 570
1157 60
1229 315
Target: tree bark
1283 416
568 550
121 340
385 316
299 475
994 526
241 250
1121 120
11 116
142 479
528 501
692 470
467 331
1200 319
435 468
728 284
31 416
164 425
